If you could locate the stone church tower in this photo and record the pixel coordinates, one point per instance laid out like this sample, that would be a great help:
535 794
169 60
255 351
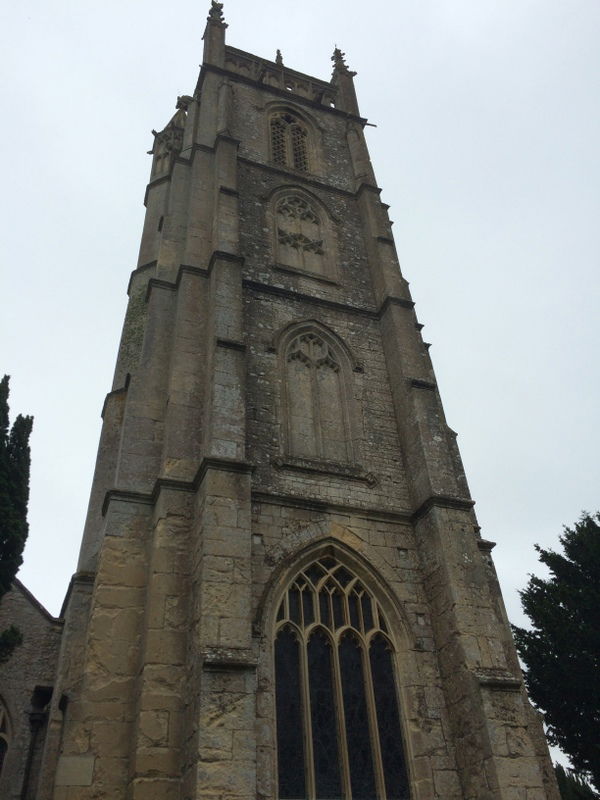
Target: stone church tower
282 590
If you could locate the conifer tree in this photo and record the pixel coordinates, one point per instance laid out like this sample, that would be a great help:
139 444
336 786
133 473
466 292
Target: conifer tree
562 651
572 786
14 495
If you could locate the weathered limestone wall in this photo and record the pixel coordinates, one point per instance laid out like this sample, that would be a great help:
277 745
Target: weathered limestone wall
32 665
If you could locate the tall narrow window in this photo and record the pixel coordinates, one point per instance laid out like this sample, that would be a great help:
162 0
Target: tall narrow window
289 137
338 718
318 425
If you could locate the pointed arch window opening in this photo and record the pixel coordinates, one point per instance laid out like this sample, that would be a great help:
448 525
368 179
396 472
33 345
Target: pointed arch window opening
289 142
318 418
335 686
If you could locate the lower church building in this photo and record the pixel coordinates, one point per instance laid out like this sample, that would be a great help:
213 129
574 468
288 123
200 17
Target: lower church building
282 590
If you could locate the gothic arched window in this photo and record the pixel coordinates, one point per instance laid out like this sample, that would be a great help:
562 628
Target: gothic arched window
4 735
338 718
300 235
289 141
318 424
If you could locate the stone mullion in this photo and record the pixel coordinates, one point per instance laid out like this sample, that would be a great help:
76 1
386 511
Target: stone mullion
372 712
309 758
341 716
316 404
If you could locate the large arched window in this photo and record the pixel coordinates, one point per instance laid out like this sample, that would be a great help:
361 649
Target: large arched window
338 719
289 141
318 422
4 734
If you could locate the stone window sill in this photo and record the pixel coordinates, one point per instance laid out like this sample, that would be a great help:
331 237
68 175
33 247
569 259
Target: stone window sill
353 472
306 274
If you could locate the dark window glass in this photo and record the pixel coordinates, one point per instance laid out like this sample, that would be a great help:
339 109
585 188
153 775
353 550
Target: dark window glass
315 573
323 716
324 606
360 758
343 576
294 597
3 749
307 606
290 726
338 734
388 720
353 605
367 612
382 624
338 609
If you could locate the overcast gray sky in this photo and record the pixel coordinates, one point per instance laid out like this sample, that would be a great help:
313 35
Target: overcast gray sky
486 147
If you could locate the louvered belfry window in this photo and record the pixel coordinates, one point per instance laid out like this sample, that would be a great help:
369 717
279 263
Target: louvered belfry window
289 145
338 719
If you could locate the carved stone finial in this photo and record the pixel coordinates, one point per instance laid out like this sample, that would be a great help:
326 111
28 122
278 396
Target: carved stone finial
183 102
279 58
339 63
215 13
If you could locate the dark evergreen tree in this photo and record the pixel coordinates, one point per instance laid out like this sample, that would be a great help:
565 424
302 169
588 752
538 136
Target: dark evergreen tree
572 786
562 651
14 495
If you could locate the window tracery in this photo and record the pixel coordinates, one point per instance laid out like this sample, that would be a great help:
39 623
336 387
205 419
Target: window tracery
338 718
318 424
300 238
289 142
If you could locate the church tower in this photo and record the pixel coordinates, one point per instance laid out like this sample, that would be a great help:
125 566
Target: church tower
282 589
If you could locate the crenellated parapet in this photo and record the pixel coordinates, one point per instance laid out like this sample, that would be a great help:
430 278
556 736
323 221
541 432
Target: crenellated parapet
277 75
